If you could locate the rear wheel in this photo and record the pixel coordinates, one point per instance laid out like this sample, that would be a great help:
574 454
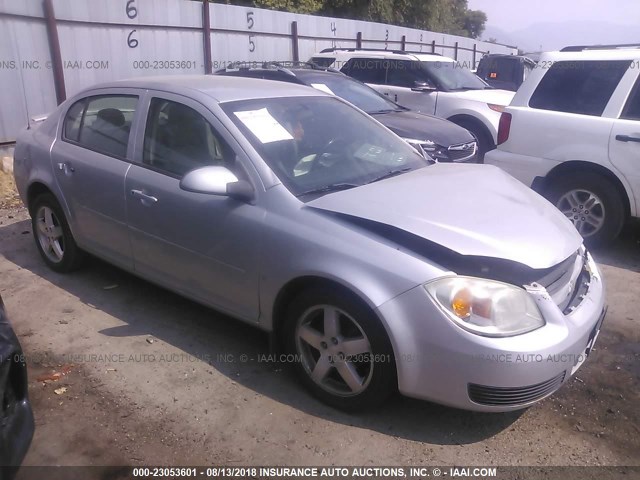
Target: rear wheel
341 350
53 236
592 203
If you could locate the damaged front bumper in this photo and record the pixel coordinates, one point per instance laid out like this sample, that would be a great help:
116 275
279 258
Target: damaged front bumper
439 361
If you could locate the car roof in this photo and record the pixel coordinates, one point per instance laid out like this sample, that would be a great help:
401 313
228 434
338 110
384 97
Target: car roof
603 54
220 88
388 54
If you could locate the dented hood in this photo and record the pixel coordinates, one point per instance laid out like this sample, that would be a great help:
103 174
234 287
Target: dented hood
471 209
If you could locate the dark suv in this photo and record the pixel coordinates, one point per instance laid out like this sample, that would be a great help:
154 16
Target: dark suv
505 71
16 417
441 139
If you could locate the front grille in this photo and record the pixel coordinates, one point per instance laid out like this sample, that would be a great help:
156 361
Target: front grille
567 282
464 151
512 396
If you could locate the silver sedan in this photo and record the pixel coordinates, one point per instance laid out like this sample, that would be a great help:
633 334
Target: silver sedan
374 268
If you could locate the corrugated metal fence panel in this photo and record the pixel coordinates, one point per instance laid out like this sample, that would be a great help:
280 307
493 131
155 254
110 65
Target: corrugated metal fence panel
26 79
122 47
103 40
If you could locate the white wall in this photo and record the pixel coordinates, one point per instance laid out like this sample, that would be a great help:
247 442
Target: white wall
98 43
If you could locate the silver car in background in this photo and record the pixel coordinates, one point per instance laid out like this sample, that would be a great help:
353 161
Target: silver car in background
294 211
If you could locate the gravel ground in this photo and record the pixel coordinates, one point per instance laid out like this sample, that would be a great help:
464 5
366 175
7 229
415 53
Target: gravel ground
162 387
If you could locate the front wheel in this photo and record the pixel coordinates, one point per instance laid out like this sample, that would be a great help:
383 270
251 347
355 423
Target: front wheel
341 350
592 203
53 236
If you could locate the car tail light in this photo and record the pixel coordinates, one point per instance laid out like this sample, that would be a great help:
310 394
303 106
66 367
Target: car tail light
504 127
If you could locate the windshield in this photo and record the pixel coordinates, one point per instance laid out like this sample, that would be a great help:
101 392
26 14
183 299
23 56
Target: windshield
363 97
316 143
453 76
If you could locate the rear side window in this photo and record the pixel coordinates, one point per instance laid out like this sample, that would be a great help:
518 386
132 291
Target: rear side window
367 70
632 108
579 87
498 68
101 123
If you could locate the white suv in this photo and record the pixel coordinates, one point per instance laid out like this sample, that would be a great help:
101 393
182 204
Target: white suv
572 132
429 83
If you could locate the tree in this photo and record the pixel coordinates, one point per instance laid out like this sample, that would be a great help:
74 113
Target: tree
446 16
474 22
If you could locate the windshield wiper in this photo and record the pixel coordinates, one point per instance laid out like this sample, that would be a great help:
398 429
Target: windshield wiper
391 173
334 187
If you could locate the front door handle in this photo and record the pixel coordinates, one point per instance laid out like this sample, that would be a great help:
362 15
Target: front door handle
144 198
627 138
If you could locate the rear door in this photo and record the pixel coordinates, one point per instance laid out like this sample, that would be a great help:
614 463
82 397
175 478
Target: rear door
90 163
203 246
624 145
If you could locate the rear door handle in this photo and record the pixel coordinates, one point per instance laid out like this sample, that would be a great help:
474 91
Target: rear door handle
144 198
627 138
66 168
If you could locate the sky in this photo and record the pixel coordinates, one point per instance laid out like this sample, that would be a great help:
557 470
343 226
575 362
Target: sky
518 16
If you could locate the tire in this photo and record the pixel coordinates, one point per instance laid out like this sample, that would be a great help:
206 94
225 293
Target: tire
484 139
362 376
53 236
592 202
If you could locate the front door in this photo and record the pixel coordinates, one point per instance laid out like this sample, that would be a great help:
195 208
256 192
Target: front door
403 76
203 246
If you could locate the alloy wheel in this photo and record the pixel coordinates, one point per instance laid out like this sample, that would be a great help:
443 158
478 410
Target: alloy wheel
584 209
50 234
334 350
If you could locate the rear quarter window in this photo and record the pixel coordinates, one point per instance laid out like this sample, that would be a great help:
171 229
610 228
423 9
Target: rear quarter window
632 108
583 87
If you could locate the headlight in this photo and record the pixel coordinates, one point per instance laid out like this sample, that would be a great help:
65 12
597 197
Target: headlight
432 149
486 307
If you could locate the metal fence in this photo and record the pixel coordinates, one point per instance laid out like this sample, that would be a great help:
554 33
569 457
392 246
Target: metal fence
53 48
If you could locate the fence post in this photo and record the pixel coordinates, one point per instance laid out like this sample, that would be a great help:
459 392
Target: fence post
403 43
455 52
433 46
54 47
206 35
359 40
294 41
474 56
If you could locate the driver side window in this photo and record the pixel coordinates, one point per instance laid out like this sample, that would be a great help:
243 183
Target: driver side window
178 139
402 73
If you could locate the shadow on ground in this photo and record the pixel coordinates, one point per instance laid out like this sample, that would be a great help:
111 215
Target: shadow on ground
624 252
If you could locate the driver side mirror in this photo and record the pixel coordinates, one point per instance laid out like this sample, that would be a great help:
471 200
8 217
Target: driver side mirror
419 86
217 180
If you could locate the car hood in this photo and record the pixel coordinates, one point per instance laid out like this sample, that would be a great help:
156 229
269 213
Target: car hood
474 210
419 126
493 96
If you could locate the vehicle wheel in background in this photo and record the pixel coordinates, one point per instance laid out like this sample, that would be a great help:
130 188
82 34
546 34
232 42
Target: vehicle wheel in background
592 202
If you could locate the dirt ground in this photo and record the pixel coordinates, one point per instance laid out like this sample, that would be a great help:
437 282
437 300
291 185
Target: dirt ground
153 379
